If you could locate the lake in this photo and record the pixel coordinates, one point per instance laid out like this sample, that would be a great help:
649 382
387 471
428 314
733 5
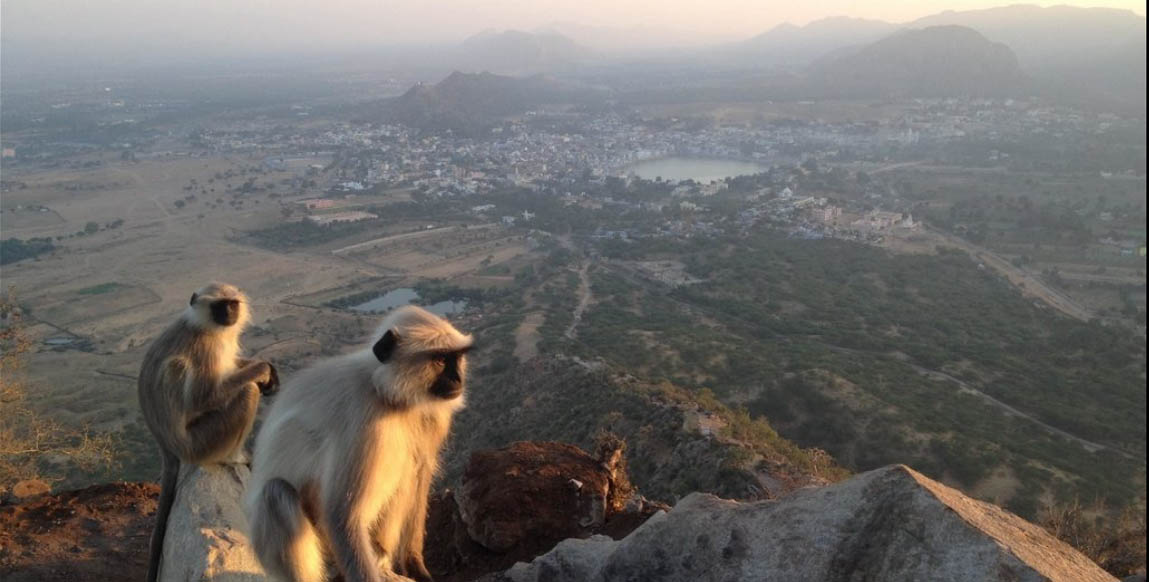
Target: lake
403 296
702 170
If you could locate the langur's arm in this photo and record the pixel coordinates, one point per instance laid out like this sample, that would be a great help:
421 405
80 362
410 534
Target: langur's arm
348 519
414 530
203 393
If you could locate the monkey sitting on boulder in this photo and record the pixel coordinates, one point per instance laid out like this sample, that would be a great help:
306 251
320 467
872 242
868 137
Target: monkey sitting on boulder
198 396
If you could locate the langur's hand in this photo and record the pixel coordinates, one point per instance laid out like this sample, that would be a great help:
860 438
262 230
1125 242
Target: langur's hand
270 384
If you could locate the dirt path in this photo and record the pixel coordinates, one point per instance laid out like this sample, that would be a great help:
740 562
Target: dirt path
407 236
1011 411
963 386
527 336
1027 283
890 167
584 297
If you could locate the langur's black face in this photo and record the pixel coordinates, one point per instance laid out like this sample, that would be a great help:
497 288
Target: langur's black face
218 306
225 312
452 366
446 369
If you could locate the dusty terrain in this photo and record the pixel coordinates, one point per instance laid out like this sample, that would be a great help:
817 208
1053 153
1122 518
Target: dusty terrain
98 533
102 532
94 303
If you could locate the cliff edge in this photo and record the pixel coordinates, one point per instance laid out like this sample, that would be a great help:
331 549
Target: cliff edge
515 504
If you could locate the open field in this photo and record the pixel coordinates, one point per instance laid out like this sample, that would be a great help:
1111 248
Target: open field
165 226
440 252
28 219
113 290
73 307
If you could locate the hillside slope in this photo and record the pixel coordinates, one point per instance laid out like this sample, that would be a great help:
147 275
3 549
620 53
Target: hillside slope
939 61
678 442
470 102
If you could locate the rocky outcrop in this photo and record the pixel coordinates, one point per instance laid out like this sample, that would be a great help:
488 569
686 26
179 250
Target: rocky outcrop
516 503
206 539
532 490
519 501
891 524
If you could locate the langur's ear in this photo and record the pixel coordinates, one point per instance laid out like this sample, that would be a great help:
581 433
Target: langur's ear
385 347
194 297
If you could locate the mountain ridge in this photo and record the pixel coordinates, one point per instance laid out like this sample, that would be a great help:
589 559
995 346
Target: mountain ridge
471 102
937 61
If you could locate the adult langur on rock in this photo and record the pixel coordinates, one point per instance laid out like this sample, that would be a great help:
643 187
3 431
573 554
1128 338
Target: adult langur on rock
199 397
345 458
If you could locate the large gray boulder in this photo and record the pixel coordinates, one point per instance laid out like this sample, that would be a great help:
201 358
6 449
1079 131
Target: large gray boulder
206 539
892 524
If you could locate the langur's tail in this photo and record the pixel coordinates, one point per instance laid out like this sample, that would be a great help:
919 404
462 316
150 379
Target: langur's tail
282 535
168 480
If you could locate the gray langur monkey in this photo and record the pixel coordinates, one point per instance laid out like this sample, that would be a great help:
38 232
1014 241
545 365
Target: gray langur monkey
198 396
345 457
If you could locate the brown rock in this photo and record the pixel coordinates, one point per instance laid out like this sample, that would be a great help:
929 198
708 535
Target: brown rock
532 493
522 498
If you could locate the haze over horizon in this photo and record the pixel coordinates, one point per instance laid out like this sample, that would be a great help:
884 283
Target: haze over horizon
222 28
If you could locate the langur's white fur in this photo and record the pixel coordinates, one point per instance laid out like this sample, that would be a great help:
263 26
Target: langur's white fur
197 396
344 460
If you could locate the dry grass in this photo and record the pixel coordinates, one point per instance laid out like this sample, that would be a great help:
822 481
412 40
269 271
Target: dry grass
30 442
1116 541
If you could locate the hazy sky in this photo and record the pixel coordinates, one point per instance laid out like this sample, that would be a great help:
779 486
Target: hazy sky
214 26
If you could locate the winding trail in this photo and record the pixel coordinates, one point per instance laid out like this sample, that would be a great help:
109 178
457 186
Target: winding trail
527 336
963 386
1027 283
583 299
1011 411
896 166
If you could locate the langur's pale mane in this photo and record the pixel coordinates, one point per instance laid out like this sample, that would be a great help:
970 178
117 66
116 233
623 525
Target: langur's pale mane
422 331
360 436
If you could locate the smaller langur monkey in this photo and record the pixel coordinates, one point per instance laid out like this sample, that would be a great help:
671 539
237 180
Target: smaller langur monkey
345 457
198 396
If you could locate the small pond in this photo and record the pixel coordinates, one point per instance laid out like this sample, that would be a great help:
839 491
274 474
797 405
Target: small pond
404 295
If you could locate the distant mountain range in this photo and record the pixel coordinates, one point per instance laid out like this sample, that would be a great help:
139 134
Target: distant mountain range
469 102
1094 55
1079 55
1041 37
787 44
629 40
1054 36
937 61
